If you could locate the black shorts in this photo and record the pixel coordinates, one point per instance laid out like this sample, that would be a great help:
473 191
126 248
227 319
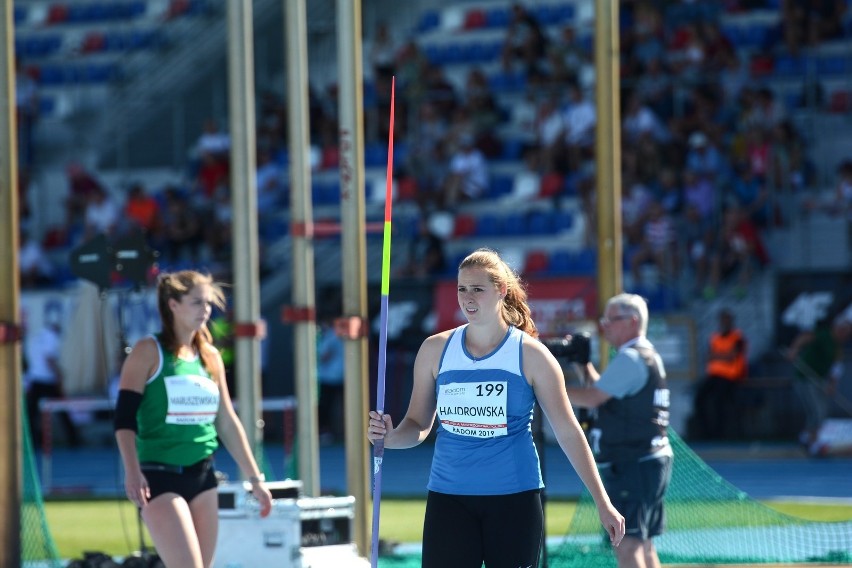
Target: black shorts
188 481
463 531
637 490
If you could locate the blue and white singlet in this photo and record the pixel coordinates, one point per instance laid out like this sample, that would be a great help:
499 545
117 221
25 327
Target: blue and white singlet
485 406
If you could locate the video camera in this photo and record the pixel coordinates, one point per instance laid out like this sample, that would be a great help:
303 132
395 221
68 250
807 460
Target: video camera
574 349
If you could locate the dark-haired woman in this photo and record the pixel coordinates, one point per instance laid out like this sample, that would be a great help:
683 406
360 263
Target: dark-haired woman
173 408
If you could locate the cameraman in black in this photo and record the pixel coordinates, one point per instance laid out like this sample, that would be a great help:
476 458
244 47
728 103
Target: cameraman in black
629 436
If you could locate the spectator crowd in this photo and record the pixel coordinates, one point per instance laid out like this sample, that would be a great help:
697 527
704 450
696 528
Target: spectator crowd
708 145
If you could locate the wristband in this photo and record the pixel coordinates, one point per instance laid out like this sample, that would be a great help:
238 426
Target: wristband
255 479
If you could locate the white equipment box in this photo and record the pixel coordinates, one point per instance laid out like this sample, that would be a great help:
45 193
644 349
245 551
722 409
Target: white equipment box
300 532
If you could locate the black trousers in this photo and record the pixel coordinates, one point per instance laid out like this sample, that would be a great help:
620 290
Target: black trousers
718 408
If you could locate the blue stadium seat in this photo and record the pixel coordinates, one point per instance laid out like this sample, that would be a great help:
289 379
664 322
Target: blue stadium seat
587 260
375 154
406 226
573 263
115 41
282 158
46 105
84 13
511 149
497 18
564 13
540 222
563 220
63 275
561 262
51 75
659 298
136 9
500 185
476 52
515 224
484 51
428 21
369 94
501 82
144 39
197 7
792 100
324 193
433 53
832 65
400 151
789 66
451 268
488 225
273 229
552 13
100 73
572 183
19 15
33 47
747 36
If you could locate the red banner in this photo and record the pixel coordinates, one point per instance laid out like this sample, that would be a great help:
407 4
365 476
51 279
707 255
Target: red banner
557 304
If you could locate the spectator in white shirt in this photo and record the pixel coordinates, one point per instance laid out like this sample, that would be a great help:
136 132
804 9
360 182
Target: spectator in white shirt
550 132
580 122
36 269
641 121
468 177
44 376
102 214
212 140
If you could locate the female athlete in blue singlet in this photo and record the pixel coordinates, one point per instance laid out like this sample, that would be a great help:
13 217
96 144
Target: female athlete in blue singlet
482 380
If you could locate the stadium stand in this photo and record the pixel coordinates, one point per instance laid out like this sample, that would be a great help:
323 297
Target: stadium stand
530 206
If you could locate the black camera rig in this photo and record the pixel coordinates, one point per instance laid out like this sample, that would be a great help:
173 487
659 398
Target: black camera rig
573 348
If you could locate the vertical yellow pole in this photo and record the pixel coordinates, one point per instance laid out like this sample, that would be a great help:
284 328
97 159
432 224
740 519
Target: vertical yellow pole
352 207
608 154
10 354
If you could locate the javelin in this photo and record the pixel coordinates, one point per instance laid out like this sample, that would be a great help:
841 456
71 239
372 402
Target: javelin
379 445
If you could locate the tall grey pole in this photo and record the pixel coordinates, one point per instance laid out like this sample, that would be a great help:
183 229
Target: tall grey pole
248 328
352 207
10 351
608 154
301 221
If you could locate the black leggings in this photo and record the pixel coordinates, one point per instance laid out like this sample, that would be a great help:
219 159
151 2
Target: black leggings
463 531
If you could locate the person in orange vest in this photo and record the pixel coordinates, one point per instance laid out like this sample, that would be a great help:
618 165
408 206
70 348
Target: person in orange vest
717 408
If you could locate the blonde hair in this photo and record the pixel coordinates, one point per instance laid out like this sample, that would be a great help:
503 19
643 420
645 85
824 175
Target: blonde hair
174 286
515 309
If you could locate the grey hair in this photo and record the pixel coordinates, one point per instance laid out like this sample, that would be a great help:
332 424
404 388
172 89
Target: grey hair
631 304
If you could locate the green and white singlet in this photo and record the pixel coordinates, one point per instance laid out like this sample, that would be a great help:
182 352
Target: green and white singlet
177 413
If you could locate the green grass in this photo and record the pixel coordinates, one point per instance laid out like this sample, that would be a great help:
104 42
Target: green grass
108 526
111 526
